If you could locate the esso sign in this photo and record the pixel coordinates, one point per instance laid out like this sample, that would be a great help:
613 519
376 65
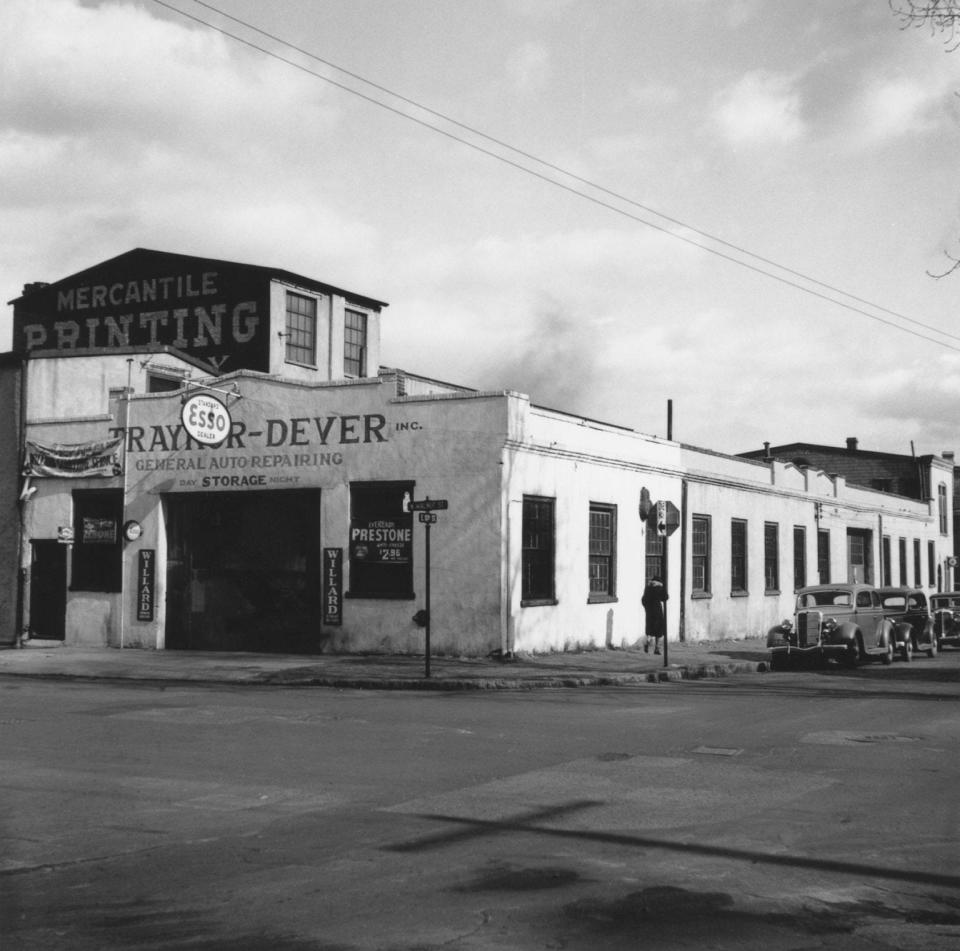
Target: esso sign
206 419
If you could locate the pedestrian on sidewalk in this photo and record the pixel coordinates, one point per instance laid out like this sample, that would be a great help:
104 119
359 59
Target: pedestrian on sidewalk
654 606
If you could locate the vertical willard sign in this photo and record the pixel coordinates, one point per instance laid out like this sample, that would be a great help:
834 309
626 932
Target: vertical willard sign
333 586
145 585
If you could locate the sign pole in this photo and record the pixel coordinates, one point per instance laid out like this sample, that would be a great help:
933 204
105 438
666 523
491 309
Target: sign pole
666 539
427 587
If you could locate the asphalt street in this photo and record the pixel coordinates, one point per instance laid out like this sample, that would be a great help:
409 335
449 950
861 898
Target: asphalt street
813 809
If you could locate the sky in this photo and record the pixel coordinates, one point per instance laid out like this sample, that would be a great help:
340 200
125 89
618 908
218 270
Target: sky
670 158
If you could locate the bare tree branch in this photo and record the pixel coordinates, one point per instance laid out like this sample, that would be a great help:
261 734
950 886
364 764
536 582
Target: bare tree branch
953 267
940 16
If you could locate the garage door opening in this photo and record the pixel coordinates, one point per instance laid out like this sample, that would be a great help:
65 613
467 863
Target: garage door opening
244 572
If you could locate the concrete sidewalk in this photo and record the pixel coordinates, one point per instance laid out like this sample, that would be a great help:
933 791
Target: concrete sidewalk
379 671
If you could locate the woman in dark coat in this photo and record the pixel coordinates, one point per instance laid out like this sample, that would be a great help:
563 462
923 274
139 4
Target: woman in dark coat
654 605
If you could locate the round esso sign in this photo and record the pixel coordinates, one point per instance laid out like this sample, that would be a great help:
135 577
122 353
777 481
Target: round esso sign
206 419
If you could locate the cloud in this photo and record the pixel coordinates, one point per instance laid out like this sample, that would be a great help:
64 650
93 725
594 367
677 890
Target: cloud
119 129
759 108
528 68
902 106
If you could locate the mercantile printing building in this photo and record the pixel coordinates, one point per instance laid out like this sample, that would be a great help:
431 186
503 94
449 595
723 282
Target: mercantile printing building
208 455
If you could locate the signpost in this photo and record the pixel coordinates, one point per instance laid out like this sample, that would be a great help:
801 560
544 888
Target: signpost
427 509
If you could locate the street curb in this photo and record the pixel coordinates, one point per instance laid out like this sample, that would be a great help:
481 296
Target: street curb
301 678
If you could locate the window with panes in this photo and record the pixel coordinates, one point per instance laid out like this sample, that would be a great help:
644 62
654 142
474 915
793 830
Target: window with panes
354 343
700 554
301 335
771 556
823 555
603 550
655 563
738 555
537 583
799 557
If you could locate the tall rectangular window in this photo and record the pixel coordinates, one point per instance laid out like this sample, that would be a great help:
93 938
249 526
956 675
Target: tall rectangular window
603 551
700 554
537 581
381 541
771 556
917 564
887 567
301 337
942 508
903 562
931 565
823 555
738 556
799 557
859 556
354 343
655 564
97 542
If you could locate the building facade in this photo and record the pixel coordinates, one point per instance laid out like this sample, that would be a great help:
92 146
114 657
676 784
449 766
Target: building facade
231 468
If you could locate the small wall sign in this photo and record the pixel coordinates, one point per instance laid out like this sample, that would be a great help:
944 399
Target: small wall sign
145 584
206 419
333 586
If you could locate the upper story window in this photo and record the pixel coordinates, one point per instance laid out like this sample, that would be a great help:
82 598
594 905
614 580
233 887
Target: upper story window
942 508
301 336
354 343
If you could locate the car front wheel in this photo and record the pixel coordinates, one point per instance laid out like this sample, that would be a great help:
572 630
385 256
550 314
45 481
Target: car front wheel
889 652
908 649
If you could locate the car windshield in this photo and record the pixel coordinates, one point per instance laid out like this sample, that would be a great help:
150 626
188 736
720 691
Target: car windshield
816 599
945 601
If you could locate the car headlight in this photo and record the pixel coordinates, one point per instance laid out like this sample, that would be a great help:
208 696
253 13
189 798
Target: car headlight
830 625
787 625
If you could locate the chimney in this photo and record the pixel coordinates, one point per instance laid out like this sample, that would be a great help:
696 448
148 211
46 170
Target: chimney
766 450
948 455
34 286
852 443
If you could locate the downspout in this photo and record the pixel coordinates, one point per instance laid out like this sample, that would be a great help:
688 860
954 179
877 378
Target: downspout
123 551
22 449
880 549
507 634
683 560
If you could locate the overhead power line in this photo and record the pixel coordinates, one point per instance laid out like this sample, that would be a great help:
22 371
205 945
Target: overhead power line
760 259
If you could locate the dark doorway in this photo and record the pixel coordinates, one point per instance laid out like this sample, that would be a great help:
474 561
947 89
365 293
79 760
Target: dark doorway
243 571
48 589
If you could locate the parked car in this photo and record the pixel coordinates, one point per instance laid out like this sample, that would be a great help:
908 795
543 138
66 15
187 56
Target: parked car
912 620
946 618
843 622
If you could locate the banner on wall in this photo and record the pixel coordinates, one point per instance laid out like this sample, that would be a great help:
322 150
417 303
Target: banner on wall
72 461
